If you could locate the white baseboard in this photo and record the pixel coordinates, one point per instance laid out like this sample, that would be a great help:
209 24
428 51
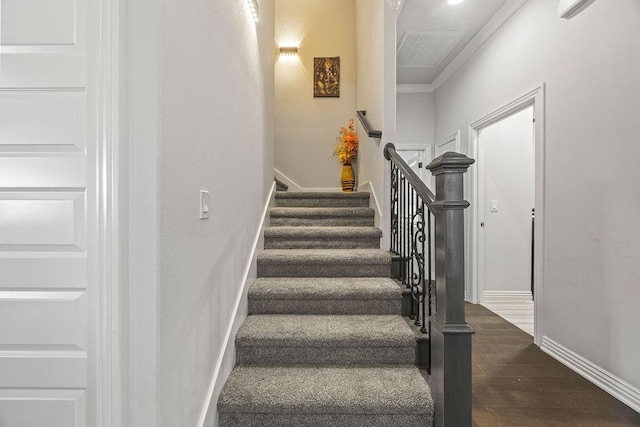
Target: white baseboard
503 296
293 187
373 203
226 357
610 383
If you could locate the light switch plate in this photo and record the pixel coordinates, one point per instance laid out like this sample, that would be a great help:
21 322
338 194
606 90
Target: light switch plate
494 206
204 204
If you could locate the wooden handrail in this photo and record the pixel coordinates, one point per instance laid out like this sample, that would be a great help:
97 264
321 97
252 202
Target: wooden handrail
362 115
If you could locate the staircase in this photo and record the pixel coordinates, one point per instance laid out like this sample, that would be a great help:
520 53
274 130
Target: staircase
324 343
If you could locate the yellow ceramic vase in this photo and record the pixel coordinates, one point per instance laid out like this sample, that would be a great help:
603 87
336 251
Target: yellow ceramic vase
347 178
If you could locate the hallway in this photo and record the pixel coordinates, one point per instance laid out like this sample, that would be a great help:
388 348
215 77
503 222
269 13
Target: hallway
516 384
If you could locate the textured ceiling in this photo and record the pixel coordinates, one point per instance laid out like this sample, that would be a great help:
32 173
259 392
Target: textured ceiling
425 49
431 33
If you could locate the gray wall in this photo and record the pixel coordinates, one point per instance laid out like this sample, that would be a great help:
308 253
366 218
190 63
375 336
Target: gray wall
415 117
200 96
590 65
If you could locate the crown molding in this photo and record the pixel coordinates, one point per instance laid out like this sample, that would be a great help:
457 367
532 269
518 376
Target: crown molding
490 28
396 5
569 8
414 88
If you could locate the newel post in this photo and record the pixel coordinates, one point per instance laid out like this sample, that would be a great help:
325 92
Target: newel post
450 333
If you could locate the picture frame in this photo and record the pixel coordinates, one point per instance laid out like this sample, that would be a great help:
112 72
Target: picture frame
326 77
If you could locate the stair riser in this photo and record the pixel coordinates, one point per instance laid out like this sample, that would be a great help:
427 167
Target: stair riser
335 243
325 419
346 221
277 356
323 203
301 269
324 306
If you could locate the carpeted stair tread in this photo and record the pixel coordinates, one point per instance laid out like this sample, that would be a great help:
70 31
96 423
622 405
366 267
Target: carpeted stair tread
323 195
302 212
322 295
324 263
325 256
326 237
336 391
323 232
325 331
322 199
323 288
304 217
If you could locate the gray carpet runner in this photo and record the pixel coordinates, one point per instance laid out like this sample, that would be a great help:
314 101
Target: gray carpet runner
324 343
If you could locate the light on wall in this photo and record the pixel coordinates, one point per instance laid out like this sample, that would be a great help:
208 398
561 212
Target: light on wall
289 51
454 1
255 9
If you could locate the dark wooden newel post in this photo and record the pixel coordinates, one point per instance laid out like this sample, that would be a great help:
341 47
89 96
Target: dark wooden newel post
450 333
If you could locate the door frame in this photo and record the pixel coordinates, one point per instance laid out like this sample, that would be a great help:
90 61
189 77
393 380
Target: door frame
454 137
111 333
535 98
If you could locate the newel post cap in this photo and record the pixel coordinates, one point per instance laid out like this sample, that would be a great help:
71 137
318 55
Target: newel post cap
450 162
388 147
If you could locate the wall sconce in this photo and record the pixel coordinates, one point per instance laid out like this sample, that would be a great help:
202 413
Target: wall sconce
255 9
289 51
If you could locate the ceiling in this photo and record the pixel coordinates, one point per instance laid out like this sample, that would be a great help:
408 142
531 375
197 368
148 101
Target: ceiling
430 33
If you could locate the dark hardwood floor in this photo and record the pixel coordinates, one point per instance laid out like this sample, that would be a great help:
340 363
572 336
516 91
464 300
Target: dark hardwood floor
516 384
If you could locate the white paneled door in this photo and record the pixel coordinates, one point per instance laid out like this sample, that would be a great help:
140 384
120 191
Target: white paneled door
49 266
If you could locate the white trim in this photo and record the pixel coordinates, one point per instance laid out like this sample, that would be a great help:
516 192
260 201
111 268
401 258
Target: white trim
504 296
293 187
569 8
535 97
414 88
229 339
412 147
288 182
454 137
490 28
373 202
615 386
109 339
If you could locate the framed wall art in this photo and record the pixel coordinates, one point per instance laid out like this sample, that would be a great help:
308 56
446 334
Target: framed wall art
326 77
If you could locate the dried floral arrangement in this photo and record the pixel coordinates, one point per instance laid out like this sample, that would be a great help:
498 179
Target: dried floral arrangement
346 150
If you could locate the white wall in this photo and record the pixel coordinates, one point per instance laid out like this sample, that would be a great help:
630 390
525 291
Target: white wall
590 65
139 215
376 40
307 127
415 119
200 108
505 161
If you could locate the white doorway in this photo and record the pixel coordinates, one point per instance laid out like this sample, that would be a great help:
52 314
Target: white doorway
491 254
505 203
417 157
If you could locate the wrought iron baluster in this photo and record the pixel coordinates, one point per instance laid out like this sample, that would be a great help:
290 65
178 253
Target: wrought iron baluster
394 209
402 234
418 260
424 214
411 242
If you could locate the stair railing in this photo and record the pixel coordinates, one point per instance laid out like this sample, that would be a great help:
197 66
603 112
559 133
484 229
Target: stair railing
371 132
427 238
